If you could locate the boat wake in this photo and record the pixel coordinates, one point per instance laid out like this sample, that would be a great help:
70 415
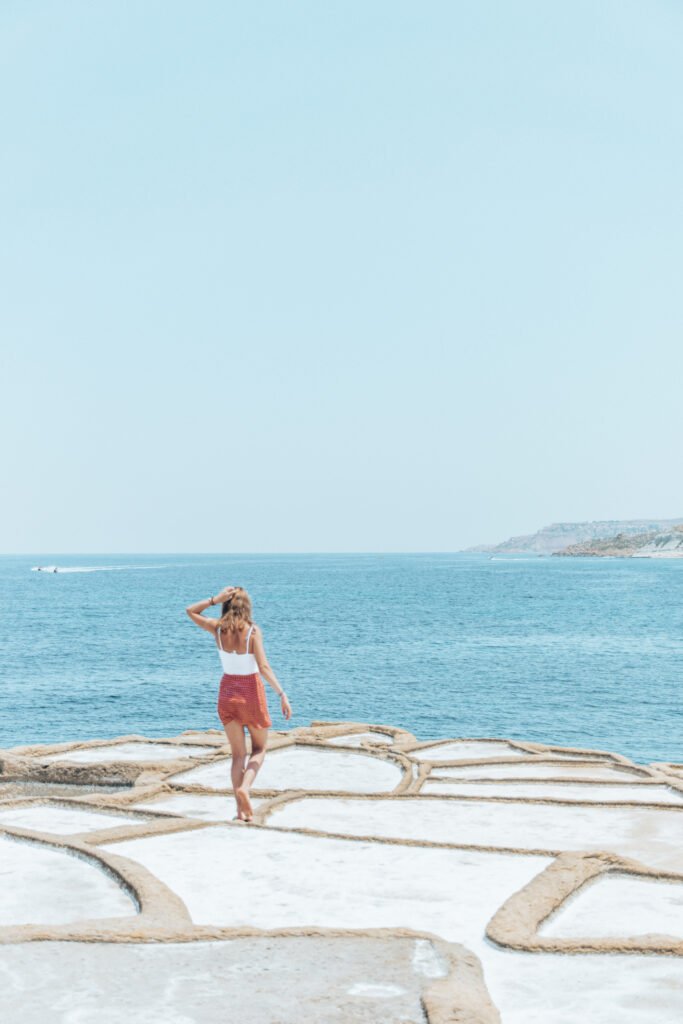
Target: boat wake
92 568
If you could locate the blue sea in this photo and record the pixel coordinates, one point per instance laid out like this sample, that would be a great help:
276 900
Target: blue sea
567 651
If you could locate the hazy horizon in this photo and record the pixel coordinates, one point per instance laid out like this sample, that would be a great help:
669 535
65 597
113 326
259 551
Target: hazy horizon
454 551
337 278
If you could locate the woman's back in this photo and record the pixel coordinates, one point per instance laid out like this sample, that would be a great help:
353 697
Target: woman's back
234 650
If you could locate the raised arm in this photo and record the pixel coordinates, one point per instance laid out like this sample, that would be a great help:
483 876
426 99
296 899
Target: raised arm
267 672
196 611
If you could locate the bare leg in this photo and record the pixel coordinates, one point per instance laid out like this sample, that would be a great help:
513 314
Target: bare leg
238 748
259 742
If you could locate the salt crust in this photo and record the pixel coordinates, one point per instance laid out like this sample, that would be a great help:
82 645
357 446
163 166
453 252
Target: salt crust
42 885
524 770
129 752
578 791
201 806
355 739
63 820
556 755
528 988
651 836
466 749
278 878
365 979
613 903
269 879
307 768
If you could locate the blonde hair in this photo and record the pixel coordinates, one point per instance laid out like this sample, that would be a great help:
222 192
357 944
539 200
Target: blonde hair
236 612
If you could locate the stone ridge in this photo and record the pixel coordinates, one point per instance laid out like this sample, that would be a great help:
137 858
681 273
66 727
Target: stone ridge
499 839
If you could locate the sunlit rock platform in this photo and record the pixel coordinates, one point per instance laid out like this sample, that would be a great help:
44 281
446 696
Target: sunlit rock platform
383 879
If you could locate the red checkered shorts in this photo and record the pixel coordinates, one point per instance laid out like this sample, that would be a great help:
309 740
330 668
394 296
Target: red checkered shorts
243 699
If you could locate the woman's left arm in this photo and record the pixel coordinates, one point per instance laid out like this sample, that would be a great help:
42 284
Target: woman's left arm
196 611
268 674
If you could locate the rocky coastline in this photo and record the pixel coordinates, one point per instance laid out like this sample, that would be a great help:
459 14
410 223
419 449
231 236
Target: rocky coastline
651 544
559 536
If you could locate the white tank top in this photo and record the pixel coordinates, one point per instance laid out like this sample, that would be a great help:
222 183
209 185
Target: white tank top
235 664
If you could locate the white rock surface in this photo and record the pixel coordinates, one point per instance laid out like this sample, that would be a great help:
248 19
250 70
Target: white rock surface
63 820
42 885
620 905
646 834
129 752
307 768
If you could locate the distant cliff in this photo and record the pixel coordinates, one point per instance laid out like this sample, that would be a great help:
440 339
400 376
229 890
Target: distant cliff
559 536
650 544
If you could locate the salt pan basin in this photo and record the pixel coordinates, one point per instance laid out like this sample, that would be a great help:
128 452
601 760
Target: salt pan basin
268 979
307 768
577 791
41 885
129 752
473 750
652 836
524 770
279 880
63 820
203 806
358 737
617 905
532 988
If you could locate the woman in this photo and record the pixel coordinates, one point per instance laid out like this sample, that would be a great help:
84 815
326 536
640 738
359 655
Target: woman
241 696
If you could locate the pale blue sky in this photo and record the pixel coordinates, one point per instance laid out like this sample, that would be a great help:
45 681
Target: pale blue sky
356 276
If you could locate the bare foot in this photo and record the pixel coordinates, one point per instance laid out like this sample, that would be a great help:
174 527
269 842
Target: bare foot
244 804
